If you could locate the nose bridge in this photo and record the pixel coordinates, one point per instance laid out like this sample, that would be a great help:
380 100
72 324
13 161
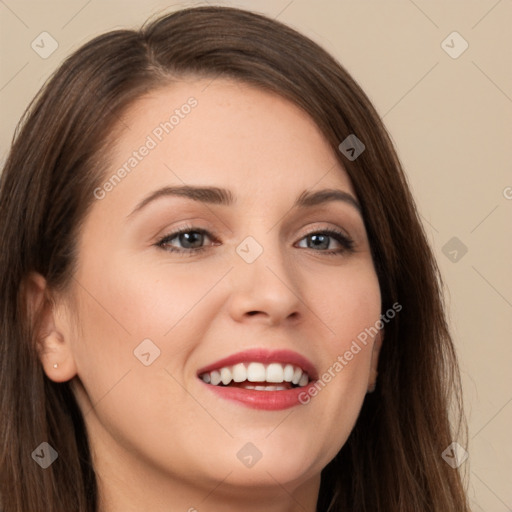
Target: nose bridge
263 278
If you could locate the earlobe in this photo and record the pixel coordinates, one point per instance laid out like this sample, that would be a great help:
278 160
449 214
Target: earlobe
372 380
51 330
56 357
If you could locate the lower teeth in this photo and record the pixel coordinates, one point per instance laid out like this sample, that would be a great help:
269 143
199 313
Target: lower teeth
265 388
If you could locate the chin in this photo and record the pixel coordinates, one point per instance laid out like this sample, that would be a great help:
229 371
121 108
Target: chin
284 458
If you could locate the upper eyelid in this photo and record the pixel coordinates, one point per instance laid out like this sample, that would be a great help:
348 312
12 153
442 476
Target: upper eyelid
187 229
172 235
209 231
329 229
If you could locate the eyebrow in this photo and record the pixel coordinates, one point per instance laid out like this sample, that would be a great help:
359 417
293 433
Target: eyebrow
224 197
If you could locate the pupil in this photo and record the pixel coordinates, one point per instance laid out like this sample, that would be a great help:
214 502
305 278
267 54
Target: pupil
191 239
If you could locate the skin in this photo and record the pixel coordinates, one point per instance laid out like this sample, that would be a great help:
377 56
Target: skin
161 440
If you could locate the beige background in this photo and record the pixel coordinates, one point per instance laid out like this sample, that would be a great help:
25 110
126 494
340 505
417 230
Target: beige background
451 120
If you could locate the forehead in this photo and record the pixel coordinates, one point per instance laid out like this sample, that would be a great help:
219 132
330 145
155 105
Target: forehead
223 132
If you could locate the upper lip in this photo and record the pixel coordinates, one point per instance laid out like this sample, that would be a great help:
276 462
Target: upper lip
264 356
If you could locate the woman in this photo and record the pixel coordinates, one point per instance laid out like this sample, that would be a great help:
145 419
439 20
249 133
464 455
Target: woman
216 291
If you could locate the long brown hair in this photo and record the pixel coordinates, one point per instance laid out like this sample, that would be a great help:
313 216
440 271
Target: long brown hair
392 460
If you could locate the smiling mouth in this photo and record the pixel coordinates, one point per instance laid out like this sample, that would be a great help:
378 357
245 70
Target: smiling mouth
258 376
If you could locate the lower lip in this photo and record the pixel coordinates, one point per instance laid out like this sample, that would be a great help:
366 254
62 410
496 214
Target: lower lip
266 400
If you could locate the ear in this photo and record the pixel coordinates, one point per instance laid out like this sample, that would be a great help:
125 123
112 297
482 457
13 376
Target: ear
372 379
51 327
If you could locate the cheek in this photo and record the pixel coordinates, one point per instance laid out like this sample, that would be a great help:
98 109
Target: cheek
123 303
141 300
359 312
351 311
118 311
349 303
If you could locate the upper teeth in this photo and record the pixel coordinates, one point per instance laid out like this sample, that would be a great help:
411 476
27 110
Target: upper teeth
257 372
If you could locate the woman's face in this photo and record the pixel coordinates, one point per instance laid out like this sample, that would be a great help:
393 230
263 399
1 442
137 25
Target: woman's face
266 271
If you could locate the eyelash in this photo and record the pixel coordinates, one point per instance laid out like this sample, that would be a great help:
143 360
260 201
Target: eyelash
346 242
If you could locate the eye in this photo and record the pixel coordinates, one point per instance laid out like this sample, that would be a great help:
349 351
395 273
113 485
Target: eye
191 240
321 241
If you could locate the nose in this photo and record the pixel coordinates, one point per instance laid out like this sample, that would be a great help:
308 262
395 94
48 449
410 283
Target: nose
266 291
